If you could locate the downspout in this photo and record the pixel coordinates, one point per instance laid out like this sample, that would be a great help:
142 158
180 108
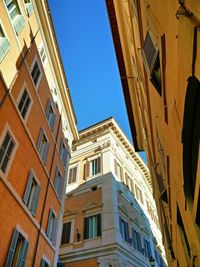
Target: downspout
46 193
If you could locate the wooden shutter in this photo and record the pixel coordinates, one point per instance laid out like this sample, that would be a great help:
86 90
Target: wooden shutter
132 186
12 248
121 174
23 253
28 188
53 236
61 146
99 225
87 169
60 186
40 138
74 174
126 178
56 179
64 233
53 121
99 164
70 176
45 153
35 200
115 163
49 222
86 228
48 108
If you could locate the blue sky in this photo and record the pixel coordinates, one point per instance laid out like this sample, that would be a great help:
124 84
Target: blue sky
88 55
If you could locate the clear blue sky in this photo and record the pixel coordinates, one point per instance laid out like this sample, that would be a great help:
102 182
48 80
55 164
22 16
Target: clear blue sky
85 41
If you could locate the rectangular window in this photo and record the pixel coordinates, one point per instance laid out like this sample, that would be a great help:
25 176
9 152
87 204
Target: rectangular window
4 44
139 195
118 170
66 233
42 54
36 73
44 263
51 226
136 240
58 182
72 175
147 248
31 194
92 226
95 166
29 7
15 14
124 229
63 152
6 150
17 251
51 116
24 103
43 145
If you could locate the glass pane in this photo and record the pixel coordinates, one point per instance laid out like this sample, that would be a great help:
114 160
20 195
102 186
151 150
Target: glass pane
10 148
5 142
4 163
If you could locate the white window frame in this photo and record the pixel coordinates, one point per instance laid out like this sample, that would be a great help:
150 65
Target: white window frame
19 98
3 135
88 215
6 36
40 69
90 165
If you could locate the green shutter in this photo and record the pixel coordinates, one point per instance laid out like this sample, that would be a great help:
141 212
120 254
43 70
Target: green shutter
35 200
56 179
45 154
60 186
40 138
49 223
54 230
48 108
12 248
23 253
53 121
28 188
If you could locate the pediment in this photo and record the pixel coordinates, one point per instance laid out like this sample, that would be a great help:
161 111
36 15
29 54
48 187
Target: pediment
92 205
69 213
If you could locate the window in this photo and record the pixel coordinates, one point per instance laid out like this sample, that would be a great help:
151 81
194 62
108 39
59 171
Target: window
31 194
136 240
24 103
36 73
43 145
51 226
51 116
139 195
147 248
6 151
118 170
42 54
63 152
124 230
95 166
58 182
17 251
16 17
4 44
29 7
44 263
72 175
127 180
92 226
152 61
66 231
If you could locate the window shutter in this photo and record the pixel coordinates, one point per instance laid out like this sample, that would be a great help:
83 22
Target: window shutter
87 169
120 225
64 233
99 225
132 186
121 174
55 183
99 164
28 188
48 108
115 162
40 138
64 158
53 121
23 253
126 178
35 201
74 175
54 230
86 228
61 145
60 186
12 248
49 223
68 232
126 232
45 154
70 176
43 262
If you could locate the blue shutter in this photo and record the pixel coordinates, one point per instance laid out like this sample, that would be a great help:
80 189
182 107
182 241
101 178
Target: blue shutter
56 180
42 263
12 248
23 253
49 223
45 154
53 121
47 108
54 230
28 188
60 186
35 200
40 138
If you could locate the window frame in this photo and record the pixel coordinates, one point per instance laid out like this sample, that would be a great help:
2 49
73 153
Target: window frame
6 37
86 229
51 229
6 129
124 229
70 233
35 60
71 181
24 87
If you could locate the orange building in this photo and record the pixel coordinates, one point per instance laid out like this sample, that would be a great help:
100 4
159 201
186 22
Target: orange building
157 45
37 127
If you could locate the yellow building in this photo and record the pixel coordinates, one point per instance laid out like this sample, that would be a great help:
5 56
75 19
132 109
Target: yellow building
157 43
